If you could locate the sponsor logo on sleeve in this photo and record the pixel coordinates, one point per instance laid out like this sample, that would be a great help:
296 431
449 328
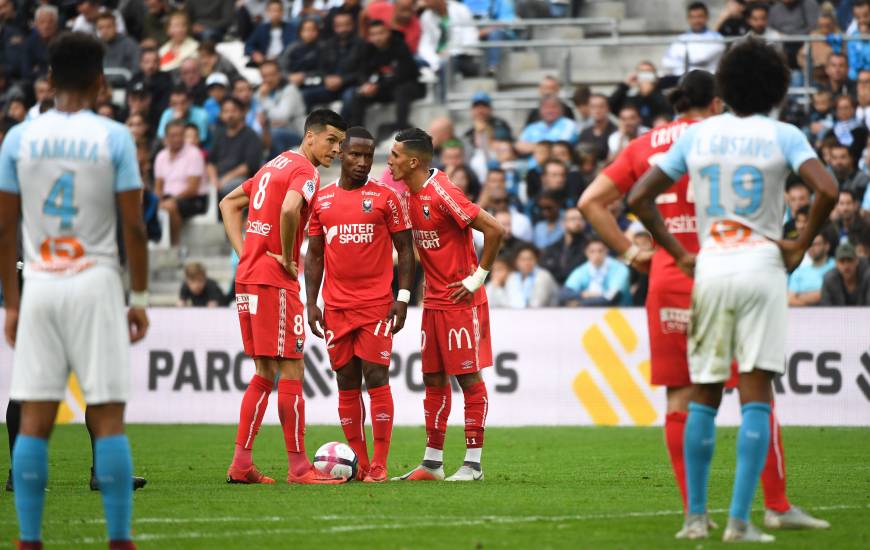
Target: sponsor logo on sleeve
674 320
309 189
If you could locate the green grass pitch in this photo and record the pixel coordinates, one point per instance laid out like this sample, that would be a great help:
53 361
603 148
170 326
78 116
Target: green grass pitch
544 488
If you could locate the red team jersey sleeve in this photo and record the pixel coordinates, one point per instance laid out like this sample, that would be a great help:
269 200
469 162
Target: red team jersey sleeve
396 214
456 204
622 170
315 227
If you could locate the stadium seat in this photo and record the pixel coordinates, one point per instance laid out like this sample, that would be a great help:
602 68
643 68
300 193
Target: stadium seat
211 213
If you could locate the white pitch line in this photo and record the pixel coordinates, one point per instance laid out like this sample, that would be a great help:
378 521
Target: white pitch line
403 523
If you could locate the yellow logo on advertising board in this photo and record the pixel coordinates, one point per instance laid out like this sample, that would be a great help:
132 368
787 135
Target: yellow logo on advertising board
610 363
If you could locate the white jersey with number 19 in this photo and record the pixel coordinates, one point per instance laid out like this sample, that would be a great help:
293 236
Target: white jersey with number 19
67 168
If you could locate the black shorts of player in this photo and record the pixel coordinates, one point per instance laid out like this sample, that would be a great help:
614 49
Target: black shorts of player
192 206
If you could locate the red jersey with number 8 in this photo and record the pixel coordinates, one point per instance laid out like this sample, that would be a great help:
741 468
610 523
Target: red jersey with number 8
266 190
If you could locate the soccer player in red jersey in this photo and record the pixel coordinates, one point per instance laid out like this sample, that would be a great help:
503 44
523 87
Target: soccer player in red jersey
455 331
278 199
670 290
355 222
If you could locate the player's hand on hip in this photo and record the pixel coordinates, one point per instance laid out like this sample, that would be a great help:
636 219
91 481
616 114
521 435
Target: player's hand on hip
11 326
642 261
315 316
289 266
792 254
687 264
137 322
461 293
398 313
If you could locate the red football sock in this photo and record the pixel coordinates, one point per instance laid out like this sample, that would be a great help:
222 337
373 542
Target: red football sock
476 406
382 422
436 406
291 412
254 404
675 425
773 475
352 413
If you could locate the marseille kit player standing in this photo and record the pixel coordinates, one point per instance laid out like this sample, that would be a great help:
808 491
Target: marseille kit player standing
670 289
65 173
278 199
455 331
356 221
738 164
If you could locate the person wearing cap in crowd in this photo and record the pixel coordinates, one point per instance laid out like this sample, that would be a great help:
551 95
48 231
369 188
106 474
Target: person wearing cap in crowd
849 283
482 120
122 52
216 85
140 102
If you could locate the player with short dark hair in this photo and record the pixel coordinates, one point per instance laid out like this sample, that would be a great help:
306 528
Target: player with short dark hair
357 218
279 201
738 164
67 173
455 332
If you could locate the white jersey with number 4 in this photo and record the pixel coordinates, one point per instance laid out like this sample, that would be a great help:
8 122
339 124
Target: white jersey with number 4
737 167
68 168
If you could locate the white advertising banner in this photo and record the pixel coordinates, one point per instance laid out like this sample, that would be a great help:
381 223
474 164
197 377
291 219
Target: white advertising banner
551 367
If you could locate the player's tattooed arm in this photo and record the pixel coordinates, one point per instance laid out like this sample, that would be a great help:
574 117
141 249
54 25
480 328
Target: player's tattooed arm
313 279
405 249
10 212
233 212
641 200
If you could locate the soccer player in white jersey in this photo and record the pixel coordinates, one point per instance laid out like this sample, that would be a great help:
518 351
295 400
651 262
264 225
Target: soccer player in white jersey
65 173
737 164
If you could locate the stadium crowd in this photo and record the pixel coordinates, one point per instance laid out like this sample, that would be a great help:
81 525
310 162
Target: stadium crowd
199 124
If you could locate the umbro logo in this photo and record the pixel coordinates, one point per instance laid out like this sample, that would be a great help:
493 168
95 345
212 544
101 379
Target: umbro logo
380 417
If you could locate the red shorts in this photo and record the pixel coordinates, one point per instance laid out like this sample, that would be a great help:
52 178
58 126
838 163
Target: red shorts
271 320
363 333
456 341
667 317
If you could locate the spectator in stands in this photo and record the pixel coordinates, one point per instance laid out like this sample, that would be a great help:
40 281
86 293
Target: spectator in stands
549 229
350 7
280 109
301 60
453 159
89 11
496 291
848 130
338 62
41 92
757 14
859 50
530 286
198 290
180 45
849 283
837 75
157 83
732 19
566 254
601 281
495 198
121 51
237 151
819 51
446 35
45 28
217 86
493 10
640 90
842 166
821 116
388 74
596 135
139 103
181 107
249 13
805 283
244 92
511 242
139 129
12 29
581 96
797 196
190 76
179 179
16 109
270 37
484 124
549 86
210 61
862 111
846 217
155 22
551 127
441 129
554 180
684 55
211 18
629 128
398 15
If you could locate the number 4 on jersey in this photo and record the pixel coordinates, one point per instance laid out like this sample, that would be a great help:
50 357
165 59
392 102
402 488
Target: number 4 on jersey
60 201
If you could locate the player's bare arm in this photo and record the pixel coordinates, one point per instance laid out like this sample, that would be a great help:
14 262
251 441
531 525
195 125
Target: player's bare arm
291 214
313 280
493 233
593 203
136 244
10 212
405 249
641 200
233 212
822 183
